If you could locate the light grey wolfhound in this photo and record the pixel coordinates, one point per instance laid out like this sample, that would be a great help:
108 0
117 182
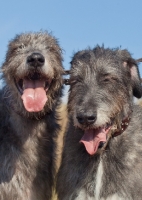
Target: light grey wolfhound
32 72
102 156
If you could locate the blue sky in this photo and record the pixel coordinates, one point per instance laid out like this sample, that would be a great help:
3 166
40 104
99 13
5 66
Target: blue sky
77 24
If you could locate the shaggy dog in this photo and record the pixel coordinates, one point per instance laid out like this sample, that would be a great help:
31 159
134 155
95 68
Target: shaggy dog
32 72
102 156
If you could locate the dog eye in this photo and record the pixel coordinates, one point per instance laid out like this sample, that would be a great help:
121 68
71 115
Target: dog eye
106 79
72 82
76 79
109 79
22 46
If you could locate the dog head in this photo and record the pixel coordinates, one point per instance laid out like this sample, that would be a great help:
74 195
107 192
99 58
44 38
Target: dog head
33 73
103 82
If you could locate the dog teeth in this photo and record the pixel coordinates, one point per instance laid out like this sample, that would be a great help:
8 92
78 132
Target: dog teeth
124 123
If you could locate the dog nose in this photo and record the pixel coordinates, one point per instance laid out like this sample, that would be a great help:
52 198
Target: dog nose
86 119
36 60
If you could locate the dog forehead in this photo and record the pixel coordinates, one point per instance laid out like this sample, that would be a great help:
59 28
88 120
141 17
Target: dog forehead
39 40
97 66
96 58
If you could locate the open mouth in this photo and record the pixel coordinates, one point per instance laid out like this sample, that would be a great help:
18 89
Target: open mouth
95 138
33 79
33 89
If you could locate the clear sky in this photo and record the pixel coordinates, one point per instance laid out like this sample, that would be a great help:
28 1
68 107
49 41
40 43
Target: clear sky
77 24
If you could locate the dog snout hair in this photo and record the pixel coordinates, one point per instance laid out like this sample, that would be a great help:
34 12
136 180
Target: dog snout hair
36 60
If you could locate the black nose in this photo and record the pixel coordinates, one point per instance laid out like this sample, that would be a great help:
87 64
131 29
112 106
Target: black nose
36 60
86 119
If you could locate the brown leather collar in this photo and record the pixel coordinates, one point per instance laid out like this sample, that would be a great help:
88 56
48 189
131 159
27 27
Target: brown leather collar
124 125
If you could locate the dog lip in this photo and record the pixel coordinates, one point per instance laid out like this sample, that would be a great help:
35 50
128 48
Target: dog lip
108 125
47 84
101 145
105 126
19 85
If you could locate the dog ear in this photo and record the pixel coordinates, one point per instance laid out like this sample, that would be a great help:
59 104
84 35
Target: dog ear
135 77
132 66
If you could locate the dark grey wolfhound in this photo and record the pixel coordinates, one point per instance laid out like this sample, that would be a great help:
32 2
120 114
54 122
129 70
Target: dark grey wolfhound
32 72
102 156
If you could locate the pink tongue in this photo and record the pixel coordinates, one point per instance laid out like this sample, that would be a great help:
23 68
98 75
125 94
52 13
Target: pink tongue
92 138
34 96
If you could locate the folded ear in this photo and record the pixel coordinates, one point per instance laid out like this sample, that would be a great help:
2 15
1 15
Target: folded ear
132 66
135 77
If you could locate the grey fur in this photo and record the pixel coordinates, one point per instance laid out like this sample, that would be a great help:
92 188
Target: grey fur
27 139
103 82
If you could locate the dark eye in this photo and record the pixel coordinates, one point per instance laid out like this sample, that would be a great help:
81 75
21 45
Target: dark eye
109 78
22 46
72 82
106 79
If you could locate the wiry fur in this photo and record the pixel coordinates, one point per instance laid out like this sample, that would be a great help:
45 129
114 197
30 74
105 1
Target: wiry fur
27 139
103 82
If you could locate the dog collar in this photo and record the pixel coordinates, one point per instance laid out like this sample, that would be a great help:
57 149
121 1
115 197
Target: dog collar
124 125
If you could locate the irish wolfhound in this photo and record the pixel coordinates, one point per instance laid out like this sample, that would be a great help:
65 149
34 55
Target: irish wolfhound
32 73
102 156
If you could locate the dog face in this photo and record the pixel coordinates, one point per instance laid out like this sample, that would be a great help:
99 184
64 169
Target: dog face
33 72
103 82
